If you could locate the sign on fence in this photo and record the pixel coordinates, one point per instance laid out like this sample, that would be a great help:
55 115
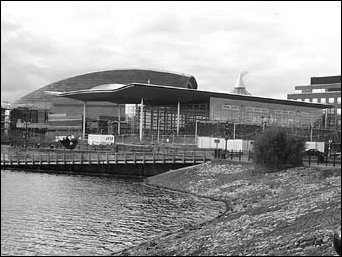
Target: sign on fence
94 139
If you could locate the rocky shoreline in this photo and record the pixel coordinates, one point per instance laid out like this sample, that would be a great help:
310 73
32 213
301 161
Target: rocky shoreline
292 212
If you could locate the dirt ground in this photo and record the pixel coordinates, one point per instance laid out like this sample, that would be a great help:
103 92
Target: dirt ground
289 213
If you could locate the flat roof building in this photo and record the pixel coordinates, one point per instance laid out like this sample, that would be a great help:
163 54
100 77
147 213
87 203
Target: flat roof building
173 109
5 120
164 102
326 90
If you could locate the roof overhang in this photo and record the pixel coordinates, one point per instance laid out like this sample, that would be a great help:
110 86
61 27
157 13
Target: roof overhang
166 95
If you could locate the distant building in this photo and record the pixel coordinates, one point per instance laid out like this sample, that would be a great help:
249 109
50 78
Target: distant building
163 103
174 110
326 90
47 112
5 120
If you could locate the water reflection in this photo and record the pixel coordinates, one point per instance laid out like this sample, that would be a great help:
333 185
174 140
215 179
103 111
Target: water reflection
49 214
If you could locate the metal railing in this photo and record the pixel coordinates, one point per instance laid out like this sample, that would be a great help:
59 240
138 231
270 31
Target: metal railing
71 158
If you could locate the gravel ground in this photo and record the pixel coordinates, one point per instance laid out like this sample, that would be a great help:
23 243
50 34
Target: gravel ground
288 213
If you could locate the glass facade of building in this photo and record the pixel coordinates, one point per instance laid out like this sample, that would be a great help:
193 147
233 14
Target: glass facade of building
255 113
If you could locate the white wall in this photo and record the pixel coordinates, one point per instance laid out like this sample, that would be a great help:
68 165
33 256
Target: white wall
232 145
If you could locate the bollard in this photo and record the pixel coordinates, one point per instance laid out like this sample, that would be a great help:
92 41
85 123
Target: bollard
309 159
318 159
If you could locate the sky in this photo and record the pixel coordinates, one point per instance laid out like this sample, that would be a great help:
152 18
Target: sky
280 44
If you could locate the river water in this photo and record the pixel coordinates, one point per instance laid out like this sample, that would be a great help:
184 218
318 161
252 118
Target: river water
54 214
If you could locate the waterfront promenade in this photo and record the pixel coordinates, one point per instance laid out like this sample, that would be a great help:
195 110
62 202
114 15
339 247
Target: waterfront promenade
72 158
129 160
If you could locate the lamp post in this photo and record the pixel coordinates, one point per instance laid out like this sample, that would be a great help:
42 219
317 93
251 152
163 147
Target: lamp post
196 130
227 134
26 125
158 131
329 147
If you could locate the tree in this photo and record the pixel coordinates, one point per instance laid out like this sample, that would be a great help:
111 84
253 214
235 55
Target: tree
275 149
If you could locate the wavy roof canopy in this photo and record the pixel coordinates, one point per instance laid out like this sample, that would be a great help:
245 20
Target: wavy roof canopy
38 97
164 95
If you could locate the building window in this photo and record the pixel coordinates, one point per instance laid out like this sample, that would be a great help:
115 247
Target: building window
307 100
282 117
315 100
254 115
331 100
307 118
230 112
338 111
318 90
323 100
334 89
339 100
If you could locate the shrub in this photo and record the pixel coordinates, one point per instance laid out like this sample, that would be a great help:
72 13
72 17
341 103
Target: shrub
276 149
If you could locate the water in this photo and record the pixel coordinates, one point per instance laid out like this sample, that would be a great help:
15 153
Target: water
50 214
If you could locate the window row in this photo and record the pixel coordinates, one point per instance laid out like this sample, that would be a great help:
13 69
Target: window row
317 90
280 117
332 111
323 100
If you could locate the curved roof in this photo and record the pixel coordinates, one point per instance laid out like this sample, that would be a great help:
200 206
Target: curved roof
38 98
166 95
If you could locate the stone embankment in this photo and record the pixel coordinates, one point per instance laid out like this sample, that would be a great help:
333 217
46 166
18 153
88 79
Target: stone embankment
292 212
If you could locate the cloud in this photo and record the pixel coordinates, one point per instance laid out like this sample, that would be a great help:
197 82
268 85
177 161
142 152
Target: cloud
280 44
23 58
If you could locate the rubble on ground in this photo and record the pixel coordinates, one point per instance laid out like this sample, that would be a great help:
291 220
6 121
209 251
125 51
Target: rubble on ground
292 212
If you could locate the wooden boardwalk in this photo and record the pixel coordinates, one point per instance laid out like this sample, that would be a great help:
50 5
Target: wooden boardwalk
91 158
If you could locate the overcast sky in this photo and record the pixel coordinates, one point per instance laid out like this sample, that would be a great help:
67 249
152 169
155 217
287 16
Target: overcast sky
280 44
